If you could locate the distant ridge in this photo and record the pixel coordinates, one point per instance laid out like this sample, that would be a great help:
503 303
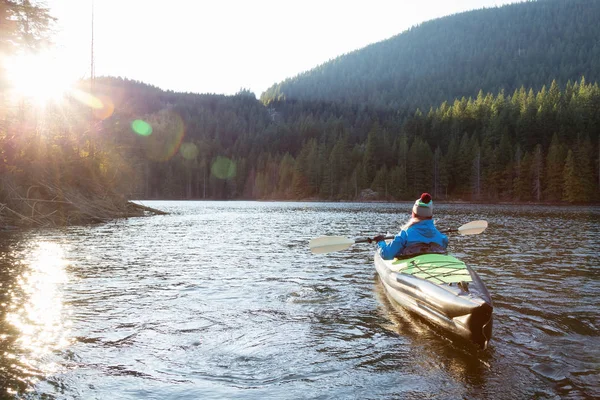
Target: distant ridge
525 44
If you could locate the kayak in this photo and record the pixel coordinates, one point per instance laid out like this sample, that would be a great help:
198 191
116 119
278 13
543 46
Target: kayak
443 290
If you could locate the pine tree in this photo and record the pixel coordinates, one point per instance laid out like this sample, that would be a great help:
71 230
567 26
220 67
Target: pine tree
555 165
585 169
537 170
452 156
505 167
301 183
359 179
402 161
420 167
23 25
464 165
286 176
437 165
337 165
573 189
475 156
397 182
522 183
371 155
313 166
598 164
380 183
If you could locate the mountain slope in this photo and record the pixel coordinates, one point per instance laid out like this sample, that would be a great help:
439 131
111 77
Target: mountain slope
526 44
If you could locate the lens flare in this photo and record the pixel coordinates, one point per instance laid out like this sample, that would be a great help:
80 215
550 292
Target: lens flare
189 151
87 99
168 131
141 127
223 168
107 109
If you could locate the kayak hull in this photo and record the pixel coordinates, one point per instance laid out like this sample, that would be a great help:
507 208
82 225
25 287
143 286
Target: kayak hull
442 290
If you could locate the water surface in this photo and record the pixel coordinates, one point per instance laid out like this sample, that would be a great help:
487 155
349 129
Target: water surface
224 300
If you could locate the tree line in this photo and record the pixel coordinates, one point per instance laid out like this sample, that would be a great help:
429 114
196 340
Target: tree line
525 146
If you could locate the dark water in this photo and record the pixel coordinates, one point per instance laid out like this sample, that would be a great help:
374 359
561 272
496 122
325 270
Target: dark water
224 300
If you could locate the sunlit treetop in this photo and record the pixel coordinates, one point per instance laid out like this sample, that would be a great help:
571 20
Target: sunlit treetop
24 25
24 28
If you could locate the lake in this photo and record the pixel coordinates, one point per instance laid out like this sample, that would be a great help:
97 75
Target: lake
223 300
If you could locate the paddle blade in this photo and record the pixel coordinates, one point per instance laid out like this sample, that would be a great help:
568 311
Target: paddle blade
473 228
327 244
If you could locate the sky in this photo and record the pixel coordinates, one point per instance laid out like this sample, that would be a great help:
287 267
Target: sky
222 46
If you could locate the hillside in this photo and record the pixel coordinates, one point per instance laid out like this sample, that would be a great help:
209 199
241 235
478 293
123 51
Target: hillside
525 44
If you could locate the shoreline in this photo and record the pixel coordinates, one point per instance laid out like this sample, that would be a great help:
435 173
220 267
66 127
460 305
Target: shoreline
312 200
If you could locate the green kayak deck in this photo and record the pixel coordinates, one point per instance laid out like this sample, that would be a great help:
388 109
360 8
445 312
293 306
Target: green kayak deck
435 268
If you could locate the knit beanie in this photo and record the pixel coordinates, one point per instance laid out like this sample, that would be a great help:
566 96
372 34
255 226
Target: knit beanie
423 207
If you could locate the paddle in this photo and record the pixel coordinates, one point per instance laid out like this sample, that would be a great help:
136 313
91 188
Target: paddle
328 244
472 228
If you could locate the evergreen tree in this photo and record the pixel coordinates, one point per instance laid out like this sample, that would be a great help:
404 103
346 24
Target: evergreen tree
302 185
555 165
397 182
380 183
476 172
359 179
338 165
523 179
420 165
402 162
286 176
23 25
505 167
537 168
371 155
437 180
573 189
464 165
452 157
583 160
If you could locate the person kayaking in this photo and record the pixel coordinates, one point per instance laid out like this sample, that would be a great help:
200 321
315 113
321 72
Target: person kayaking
419 235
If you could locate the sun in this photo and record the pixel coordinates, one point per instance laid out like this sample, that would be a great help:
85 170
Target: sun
39 78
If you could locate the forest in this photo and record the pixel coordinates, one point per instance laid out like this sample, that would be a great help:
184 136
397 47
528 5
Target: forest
525 146
475 127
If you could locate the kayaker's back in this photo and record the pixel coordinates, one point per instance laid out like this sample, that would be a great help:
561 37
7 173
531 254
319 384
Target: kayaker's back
425 232
410 240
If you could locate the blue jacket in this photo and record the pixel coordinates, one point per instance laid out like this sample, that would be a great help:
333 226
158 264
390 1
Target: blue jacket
421 232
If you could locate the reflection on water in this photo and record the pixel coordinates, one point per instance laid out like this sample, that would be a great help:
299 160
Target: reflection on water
34 321
224 300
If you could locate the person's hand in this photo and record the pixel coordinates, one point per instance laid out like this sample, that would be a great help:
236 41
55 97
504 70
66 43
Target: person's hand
377 238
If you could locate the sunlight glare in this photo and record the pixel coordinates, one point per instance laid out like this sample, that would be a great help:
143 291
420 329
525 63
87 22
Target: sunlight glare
38 313
39 78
